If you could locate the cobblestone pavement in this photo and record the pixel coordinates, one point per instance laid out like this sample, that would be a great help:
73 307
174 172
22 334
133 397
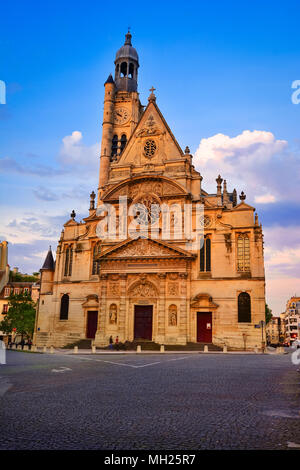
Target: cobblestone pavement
149 402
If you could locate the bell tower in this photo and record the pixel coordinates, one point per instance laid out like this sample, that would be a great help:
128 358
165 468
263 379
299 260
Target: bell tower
127 64
122 109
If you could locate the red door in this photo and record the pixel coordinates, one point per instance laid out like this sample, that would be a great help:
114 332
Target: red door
92 320
204 327
143 322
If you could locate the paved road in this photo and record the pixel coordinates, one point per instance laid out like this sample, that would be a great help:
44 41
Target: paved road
149 402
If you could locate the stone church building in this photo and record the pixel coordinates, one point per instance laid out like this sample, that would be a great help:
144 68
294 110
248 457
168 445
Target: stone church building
153 287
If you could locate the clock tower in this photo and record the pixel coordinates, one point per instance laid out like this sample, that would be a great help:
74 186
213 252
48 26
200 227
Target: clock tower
122 109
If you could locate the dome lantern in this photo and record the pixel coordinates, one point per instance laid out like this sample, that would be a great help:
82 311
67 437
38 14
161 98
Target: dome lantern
127 64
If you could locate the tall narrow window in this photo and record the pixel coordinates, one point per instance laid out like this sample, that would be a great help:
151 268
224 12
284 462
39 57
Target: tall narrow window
96 263
243 253
205 256
64 307
244 308
68 261
114 147
123 142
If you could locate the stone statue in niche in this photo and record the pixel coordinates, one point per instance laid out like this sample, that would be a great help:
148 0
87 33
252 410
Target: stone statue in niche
172 315
113 314
227 237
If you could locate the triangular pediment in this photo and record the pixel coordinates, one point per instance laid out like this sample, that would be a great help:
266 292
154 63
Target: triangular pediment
70 222
144 248
152 141
242 206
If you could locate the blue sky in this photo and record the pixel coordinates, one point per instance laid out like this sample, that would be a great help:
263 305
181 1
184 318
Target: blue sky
222 70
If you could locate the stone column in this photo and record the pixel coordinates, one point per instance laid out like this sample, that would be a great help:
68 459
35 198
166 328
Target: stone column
100 338
161 309
183 308
122 311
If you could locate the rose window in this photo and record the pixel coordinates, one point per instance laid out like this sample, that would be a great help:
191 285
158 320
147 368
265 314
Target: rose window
147 211
149 148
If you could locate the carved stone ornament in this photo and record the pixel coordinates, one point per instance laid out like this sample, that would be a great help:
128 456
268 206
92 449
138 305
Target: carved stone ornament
150 128
173 288
143 289
173 276
142 247
114 289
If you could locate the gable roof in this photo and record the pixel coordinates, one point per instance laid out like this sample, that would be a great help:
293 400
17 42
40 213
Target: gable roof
146 114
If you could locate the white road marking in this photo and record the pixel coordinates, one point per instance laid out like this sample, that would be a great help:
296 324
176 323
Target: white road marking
130 365
61 369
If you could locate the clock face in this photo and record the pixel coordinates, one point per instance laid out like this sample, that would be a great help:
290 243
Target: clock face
121 115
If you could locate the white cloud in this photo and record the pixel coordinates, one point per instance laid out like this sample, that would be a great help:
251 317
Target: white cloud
221 147
253 161
265 199
74 152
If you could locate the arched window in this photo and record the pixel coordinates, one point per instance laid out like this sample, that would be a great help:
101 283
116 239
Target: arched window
68 261
123 142
114 146
243 253
64 307
131 70
124 69
96 263
244 308
205 256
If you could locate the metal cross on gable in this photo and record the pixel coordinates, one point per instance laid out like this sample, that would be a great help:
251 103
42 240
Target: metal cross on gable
152 89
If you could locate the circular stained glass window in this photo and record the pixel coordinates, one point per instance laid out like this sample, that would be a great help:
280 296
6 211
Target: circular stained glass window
149 148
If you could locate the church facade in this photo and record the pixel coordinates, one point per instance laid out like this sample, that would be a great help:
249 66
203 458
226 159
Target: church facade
141 281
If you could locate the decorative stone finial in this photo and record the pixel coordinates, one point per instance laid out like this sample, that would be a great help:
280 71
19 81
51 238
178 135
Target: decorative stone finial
187 150
256 220
92 200
219 183
234 197
242 196
73 214
225 193
152 97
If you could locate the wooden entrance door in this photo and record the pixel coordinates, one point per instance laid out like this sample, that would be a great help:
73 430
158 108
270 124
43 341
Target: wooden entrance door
92 320
204 327
143 322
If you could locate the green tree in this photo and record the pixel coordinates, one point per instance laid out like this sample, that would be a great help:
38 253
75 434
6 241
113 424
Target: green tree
268 313
20 316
